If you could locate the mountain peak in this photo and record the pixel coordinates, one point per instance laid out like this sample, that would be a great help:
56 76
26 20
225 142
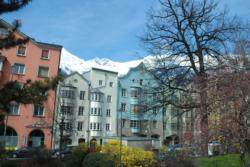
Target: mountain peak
71 63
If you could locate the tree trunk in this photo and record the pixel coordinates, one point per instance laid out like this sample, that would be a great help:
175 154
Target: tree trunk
204 137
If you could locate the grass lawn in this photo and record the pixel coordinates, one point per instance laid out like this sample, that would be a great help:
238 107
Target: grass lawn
230 160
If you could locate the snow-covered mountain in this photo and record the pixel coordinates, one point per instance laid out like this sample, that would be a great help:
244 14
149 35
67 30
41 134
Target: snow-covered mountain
71 63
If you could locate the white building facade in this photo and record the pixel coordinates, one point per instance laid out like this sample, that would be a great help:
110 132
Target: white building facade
72 111
103 98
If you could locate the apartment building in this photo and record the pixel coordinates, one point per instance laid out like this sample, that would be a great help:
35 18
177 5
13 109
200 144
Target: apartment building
72 111
103 103
139 112
29 125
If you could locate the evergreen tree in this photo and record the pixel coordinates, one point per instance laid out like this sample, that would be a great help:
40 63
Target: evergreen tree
7 37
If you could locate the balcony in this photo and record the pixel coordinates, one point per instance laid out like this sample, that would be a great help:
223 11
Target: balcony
135 129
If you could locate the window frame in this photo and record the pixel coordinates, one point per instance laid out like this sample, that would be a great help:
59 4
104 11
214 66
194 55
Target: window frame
79 128
81 110
108 112
123 107
124 92
45 58
18 71
42 76
82 95
12 107
107 127
38 114
100 83
21 54
111 84
109 99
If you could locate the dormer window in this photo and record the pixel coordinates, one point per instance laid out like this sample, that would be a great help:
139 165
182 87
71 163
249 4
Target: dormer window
45 54
21 50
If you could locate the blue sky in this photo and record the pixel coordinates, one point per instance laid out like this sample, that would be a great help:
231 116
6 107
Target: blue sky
96 28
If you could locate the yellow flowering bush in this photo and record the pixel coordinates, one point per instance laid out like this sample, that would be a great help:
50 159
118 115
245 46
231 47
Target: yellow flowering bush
131 157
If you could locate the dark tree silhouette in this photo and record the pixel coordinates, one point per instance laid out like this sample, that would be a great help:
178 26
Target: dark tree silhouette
7 36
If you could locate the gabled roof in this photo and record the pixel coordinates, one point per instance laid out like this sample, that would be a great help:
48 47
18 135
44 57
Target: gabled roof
77 73
39 44
141 65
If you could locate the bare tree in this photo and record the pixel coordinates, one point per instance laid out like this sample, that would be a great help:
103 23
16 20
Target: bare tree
188 38
229 98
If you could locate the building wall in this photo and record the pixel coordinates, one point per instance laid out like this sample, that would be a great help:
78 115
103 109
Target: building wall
26 122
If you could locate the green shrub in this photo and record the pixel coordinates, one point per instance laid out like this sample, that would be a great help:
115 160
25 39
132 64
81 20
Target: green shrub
41 158
76 159
99 160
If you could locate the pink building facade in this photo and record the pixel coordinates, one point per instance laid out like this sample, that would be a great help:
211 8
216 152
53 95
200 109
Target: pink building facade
29 125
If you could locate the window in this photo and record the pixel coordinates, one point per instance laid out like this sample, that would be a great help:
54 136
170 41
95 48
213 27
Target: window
67 94
110 84
14 109
82 94
135 108
66 110
97 97
21 50
134 123
68 126
123 122
90 126
80 110
38 110
45 54
123 107
124 92
99 111
135 93
108 113
79 126
100 82
107 127
96 111
18 68
154 124
43 71
95 126
98 126
109 99
141 81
